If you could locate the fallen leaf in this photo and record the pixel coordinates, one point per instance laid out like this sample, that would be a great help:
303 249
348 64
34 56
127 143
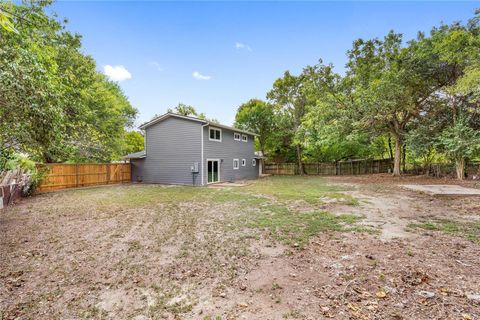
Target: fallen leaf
466 316
381 293
352 307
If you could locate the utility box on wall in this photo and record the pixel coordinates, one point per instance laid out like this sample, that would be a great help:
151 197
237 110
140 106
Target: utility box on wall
194 168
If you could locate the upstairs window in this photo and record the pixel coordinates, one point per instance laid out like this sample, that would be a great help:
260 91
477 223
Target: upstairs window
236 136
244 138
244 162
254 162
215 134
236 164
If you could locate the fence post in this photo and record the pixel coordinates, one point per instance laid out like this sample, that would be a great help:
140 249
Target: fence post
108 173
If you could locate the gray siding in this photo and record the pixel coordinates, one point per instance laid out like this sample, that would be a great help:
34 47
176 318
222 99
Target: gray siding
172 146
227 150
137 169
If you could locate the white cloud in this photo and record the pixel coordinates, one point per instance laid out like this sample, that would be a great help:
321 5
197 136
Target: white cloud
156 65
197 75
242 46
116 73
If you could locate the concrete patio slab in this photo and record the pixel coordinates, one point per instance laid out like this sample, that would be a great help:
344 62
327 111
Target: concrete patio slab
228 184
444 190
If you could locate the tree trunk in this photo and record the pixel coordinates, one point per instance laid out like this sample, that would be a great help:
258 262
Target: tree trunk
299 159
404 157
262 147
47 158
460 167
390 146
398 155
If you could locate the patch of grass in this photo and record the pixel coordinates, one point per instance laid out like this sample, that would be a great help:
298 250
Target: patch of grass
148 194
296 228
309 189
293 314
164 303
468 230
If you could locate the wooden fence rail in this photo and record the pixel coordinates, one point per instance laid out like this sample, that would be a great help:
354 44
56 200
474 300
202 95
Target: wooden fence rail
352 167
62 176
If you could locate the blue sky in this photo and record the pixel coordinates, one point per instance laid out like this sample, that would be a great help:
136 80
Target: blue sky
217 55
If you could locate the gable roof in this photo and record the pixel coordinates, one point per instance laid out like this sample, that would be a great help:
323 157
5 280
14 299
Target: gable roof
213 124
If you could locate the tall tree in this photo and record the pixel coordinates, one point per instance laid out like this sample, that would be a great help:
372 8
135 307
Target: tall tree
259 117
329 133
390 86
287 93
54 105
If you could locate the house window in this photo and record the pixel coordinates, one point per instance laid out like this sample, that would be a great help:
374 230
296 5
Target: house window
254 162
244 162
236 164
244 138
215 134
236 136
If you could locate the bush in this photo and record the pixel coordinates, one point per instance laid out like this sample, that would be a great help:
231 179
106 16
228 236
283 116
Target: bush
18 161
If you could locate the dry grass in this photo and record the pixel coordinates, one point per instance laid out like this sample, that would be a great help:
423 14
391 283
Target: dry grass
156 252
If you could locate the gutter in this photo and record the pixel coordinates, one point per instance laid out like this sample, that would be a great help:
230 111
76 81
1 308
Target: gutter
203 164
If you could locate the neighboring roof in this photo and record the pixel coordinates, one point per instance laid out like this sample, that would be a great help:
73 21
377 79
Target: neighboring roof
136 155
213 124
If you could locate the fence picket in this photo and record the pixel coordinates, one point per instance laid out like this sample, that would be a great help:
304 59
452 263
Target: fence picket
352 167
62 176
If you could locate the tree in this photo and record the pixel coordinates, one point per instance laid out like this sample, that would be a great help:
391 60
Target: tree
187 110
184 110
454 52
257 116
287 93
459 143
133 142
329 133
391 85
54 105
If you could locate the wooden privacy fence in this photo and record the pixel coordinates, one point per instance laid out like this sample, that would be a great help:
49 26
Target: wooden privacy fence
352 167
61 176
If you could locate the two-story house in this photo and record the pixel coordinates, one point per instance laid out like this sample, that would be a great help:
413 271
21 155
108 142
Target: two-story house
192 151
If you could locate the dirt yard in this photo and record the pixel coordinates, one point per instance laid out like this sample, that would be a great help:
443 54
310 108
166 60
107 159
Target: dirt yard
279 248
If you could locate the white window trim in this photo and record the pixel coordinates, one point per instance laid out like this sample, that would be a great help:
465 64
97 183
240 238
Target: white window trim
234 164
239 136
254 162
246 138
214 128
244 162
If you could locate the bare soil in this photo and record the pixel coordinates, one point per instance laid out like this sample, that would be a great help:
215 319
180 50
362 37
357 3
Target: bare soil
156 252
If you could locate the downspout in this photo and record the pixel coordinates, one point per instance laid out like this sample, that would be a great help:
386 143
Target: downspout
202 166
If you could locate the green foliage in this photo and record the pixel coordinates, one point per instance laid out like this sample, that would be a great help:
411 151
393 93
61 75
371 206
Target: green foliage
459 141
55 106
187 110
409 94
468 230
259 117
18 161
134 142
6 20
